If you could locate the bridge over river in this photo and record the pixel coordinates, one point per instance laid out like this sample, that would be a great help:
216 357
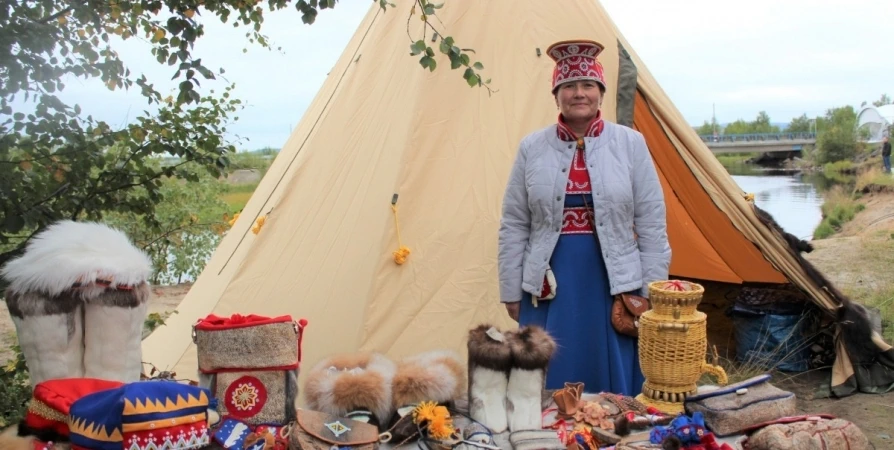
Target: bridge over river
759 143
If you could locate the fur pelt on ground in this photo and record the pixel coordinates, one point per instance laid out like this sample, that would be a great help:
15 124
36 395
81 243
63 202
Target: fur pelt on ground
350 382
852 318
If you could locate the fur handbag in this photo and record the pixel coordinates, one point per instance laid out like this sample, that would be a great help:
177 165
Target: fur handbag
315 430
626 311
250 363
820 432
735 407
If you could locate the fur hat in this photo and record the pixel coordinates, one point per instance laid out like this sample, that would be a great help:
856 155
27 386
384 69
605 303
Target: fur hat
47 414
86 255
346 383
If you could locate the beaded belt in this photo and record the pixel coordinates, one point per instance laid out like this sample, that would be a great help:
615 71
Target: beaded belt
577 220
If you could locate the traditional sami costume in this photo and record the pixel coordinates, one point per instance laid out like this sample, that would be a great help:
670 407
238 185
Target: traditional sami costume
589 350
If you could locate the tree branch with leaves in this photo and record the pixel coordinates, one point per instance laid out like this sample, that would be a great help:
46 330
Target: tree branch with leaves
58 163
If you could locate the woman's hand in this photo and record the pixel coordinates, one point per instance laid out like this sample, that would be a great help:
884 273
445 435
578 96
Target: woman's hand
512 309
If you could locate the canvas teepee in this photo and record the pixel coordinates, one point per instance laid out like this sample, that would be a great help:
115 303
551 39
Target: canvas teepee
380 126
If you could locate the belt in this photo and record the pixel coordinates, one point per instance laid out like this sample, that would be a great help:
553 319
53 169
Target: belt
577 220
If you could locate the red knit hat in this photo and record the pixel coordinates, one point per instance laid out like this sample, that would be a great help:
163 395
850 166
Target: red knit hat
49 406
575 61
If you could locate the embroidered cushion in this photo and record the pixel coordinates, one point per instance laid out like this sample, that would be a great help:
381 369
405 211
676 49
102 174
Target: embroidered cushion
145 415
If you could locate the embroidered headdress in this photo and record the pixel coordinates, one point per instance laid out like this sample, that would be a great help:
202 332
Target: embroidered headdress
575 61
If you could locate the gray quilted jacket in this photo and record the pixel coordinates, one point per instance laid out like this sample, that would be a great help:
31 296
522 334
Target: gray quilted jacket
626 194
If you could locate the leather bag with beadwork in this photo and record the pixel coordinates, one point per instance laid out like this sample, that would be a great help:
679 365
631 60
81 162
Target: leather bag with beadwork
315 430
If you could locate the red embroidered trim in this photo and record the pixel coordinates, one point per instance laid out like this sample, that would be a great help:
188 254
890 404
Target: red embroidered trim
577 220
212 322
594 129
578 177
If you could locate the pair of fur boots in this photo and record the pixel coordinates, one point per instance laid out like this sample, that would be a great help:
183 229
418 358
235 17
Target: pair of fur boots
372 388
78 297
507 373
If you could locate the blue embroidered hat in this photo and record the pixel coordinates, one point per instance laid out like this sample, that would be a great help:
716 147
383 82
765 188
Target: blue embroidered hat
145 415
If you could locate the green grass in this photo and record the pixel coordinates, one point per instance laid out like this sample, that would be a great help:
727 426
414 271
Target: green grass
237 195
839 167
838 209
874 180
734 159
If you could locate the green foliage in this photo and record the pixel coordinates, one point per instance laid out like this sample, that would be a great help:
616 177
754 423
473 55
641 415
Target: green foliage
708 128
56 163
258 160
190 222
884 100
838 209
15 389
837 139
801 124
761 124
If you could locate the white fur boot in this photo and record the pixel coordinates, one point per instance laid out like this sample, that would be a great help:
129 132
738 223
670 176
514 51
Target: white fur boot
532 348
113 332
51 333
489 362
65 272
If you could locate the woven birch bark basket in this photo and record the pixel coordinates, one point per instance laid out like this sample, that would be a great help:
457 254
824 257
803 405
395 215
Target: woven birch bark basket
673 344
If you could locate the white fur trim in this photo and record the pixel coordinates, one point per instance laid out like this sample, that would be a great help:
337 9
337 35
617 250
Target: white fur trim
113 342
49 351
525 393
377 363
67 252
487 392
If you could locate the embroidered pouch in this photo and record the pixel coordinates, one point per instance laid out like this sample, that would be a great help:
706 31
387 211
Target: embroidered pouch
320 431
259 397
248 342
144 415
733 408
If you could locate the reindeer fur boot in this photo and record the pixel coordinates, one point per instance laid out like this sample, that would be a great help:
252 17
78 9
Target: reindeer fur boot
490 359
532 347
356 386
64 270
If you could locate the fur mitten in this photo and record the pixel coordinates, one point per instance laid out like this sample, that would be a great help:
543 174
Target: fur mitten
532 347
490 359
355 386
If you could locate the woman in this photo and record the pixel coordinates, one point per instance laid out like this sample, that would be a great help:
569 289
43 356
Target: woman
580 174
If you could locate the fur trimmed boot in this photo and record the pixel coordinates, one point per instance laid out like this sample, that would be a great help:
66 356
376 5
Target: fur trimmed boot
490 360
436 376
355 386
532 348
113 333
64 267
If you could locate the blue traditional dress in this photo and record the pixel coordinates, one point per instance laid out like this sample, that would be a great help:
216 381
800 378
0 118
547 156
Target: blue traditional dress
589 350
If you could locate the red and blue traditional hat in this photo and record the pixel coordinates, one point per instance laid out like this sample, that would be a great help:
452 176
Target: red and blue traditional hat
140 416
47 414
575 61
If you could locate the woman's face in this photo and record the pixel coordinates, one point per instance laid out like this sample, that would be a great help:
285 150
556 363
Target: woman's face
579 100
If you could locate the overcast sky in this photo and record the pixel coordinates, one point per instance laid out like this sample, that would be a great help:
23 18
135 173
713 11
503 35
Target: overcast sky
785 57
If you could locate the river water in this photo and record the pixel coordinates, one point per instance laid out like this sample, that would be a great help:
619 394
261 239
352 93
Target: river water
794 200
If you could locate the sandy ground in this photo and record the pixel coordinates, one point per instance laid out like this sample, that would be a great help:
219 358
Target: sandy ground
852 259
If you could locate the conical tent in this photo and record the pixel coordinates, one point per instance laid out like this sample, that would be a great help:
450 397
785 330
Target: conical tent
380 125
